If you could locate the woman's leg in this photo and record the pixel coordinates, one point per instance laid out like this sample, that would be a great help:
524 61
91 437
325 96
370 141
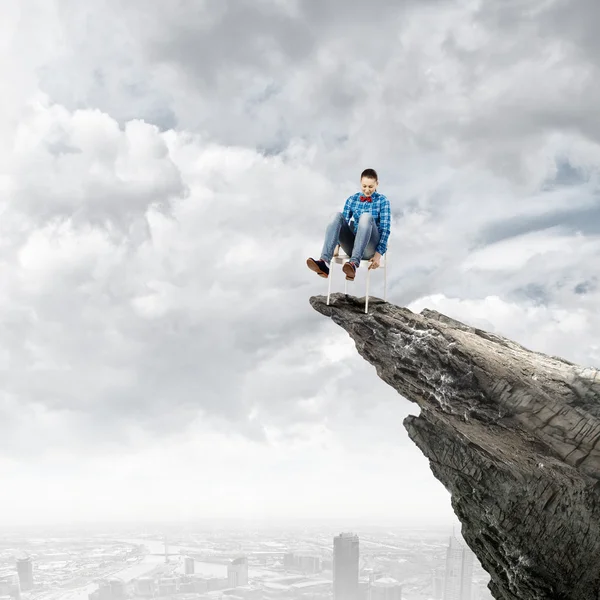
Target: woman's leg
367 238
338 232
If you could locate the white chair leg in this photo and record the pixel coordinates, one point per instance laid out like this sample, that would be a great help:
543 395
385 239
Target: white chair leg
385 279
367 294
330 278
345 286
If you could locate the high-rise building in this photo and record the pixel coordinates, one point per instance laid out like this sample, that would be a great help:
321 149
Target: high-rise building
289 561
459 571
437 584
189 565
25 572
386 588
237 572
345 566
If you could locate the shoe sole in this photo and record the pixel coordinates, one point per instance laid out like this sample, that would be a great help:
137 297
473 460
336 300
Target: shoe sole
313 266
350 273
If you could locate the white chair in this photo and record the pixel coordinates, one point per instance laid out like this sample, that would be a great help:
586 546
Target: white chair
342 258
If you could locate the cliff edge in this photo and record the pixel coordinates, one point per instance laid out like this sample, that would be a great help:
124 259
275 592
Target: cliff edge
513 435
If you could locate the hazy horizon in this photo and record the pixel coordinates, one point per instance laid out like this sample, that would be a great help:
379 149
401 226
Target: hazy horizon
208 522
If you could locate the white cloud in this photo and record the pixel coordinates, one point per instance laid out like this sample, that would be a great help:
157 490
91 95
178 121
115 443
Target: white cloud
159 195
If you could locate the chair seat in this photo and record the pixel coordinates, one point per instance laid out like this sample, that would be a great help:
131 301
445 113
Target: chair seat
341 258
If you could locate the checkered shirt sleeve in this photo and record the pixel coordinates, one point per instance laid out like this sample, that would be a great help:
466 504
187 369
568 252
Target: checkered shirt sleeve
385 224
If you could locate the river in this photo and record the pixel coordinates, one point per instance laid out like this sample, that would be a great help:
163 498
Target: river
152 560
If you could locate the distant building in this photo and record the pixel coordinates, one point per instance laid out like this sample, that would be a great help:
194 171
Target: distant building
364 588
112 589
144 586
102 593
167 586
437 584
216 583
200 584
9 587
307 563
289 560
386 588
237 572
118 589
345 567
459 571
373 574
189 565
186 587
25 572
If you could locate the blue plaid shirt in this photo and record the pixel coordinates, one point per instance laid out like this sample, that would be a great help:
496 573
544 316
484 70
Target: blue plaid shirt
379 208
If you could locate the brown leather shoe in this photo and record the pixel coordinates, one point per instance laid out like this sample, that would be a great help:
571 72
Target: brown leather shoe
319 267
349 269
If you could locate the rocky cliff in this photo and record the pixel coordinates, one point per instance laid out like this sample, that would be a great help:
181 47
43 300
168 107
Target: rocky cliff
513 435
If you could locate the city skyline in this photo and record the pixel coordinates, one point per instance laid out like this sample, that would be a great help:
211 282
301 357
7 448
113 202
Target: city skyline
203 564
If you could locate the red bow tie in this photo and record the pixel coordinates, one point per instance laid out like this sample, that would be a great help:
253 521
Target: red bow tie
366 199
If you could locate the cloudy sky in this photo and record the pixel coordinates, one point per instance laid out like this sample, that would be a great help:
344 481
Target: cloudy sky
165 170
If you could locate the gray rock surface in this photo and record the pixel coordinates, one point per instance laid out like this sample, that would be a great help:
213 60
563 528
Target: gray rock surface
514 436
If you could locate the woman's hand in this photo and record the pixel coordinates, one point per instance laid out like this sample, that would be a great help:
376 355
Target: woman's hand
375 261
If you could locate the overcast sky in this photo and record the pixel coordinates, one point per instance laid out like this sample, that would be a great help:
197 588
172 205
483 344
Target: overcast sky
165 170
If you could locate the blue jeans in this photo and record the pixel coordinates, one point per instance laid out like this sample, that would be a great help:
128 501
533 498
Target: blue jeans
358 247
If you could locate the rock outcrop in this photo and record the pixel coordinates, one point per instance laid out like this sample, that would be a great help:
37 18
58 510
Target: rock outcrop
513 435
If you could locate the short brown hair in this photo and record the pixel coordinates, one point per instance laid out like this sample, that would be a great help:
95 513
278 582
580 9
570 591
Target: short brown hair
370 173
